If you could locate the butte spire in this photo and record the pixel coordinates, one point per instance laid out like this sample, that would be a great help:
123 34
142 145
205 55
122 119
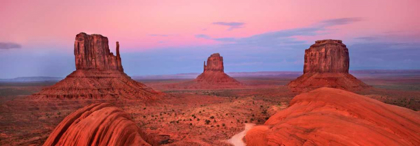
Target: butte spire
214 73
99 74
327 64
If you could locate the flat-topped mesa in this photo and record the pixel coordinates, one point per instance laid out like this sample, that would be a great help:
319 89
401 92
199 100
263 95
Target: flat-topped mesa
327 56
214 63
327 65
92 52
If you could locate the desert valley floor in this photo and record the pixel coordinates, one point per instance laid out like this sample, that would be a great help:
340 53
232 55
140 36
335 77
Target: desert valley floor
186 116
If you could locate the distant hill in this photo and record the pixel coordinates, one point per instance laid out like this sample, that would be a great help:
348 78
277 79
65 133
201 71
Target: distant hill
287 74
33 79
261 74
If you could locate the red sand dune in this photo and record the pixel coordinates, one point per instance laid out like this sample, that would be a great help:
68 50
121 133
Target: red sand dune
328 116
97 125
99 74
327 65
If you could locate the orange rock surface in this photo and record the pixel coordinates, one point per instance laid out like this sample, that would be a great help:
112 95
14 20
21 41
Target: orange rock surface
97 125
328 116
99 75
327 64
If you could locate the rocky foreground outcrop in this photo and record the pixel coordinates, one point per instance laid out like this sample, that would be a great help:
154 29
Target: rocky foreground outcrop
214 73
327 64
97 125
328 116
99 75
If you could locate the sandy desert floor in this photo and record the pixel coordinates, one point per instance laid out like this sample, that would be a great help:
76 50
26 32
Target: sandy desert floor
182 117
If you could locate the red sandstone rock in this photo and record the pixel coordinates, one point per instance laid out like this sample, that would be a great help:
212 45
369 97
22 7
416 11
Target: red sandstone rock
214 72
99 74
92 52
326 65
214 63
97 125
327 56
328 116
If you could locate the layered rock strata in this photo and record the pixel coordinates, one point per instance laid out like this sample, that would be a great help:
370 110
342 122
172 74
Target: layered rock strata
97 125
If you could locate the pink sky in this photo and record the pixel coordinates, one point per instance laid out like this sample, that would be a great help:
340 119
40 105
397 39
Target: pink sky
55 23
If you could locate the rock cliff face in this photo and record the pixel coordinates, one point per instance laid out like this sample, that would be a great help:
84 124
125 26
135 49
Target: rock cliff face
99 75
92 52
214 74
97 125
327 65
328 116
214 63
327 56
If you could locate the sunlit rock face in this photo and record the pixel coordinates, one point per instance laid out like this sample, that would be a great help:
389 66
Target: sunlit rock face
97 125
328 116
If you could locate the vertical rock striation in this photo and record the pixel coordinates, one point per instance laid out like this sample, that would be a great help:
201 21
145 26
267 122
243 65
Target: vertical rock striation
214 63
92 52
327 56
326 64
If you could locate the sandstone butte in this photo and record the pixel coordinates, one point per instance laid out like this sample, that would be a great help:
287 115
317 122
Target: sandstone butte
328 116
97 125
214 73
327 64
99 74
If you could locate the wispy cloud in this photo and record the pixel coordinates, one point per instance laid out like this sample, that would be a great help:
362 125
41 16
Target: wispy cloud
231 25
286 37
159 35
366 38
203 36
9 45
339 21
